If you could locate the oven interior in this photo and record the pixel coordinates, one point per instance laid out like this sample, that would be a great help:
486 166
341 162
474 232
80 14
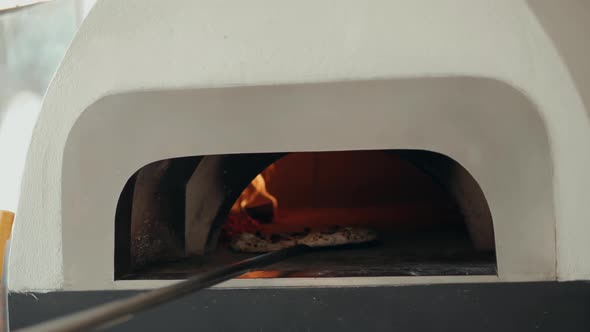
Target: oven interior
176 217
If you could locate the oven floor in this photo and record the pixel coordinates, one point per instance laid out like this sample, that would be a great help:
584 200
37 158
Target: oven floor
435 253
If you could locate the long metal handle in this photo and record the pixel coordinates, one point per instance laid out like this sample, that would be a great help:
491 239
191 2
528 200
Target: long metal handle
116 312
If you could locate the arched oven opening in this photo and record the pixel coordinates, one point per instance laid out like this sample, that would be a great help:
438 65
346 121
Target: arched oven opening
178 216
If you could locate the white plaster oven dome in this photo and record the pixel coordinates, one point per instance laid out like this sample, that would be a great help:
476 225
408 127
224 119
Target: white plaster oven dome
483 83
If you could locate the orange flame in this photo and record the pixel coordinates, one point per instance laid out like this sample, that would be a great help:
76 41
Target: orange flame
256 195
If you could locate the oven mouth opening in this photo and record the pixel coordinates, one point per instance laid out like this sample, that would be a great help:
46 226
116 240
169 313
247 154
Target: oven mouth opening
181 216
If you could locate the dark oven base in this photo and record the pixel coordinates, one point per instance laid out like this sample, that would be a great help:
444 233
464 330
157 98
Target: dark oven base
547 306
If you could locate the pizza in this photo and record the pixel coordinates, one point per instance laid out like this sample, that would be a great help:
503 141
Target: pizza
259 243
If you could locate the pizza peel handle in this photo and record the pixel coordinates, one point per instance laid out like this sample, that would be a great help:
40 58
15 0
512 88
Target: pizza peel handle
116 312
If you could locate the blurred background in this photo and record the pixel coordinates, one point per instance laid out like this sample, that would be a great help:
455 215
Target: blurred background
34 36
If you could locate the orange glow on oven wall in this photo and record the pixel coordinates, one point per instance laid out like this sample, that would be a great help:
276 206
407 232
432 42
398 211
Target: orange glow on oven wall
375 189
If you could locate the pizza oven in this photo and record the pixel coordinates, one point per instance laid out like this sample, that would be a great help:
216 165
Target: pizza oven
462 141
176 217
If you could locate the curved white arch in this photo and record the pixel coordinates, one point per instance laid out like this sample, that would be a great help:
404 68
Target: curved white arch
453 116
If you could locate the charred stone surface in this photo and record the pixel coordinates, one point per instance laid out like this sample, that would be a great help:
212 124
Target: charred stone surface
157 212
123 229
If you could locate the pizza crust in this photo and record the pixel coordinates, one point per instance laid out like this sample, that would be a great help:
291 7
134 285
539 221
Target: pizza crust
258 243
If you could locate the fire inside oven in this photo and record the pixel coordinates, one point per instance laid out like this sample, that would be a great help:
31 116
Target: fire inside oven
179 216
